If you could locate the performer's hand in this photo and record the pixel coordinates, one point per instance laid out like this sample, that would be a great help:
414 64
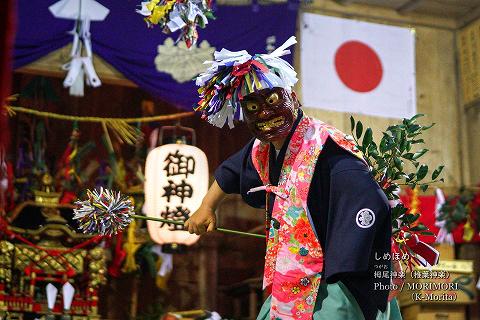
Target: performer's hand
203 220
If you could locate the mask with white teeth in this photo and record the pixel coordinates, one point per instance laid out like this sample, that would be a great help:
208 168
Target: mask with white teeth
270 113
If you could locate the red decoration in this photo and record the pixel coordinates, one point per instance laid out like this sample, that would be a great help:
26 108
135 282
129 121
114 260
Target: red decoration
68 197
120 254
427 217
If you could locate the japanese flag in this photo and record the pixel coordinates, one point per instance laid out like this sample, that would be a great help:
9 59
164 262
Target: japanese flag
357 67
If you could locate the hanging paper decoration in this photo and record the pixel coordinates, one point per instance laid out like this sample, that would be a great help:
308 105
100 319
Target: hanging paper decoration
176 180
164 266
83 12
51 295
234 75
68 292
174 15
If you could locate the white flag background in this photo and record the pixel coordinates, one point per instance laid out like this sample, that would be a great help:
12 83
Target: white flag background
357 67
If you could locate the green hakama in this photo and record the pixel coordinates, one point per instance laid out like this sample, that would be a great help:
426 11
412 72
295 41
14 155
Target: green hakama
335 302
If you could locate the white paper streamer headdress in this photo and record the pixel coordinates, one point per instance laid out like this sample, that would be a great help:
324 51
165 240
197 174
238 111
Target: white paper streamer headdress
235 74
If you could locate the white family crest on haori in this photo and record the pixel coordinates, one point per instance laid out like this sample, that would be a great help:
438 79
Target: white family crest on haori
82 11
357 67
365 218
181 62
176 180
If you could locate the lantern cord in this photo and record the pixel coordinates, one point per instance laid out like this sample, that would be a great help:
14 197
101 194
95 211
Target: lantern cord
181 224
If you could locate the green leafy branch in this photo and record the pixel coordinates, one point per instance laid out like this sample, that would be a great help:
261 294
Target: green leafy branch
395 162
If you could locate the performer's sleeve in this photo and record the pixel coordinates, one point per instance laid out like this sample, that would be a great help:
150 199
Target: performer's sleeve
358 219
227 174
238 175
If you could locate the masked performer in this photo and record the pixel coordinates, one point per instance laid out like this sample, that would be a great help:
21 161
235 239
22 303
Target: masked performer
328 221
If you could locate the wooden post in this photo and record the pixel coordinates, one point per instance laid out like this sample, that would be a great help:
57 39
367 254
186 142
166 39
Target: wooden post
207 272
134 298
252 302
202 279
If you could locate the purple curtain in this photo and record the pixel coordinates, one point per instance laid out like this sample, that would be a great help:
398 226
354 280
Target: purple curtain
125 42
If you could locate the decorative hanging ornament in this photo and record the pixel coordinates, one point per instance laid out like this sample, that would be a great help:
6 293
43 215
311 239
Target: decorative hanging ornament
174 15
51 295
68 292
81 64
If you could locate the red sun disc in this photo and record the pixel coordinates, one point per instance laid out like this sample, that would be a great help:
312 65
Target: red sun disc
358 66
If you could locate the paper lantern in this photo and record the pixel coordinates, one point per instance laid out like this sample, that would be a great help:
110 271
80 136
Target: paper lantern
176 180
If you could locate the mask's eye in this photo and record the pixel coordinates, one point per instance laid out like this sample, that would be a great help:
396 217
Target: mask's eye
272 99
252 107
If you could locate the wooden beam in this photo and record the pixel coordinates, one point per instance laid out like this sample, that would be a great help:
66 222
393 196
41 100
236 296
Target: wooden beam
409 6
380 15
471 16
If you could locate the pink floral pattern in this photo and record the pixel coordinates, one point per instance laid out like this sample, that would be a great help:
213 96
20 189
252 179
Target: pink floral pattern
294 257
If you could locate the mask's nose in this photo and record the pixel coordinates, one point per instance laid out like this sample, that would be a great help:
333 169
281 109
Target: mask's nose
265 113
